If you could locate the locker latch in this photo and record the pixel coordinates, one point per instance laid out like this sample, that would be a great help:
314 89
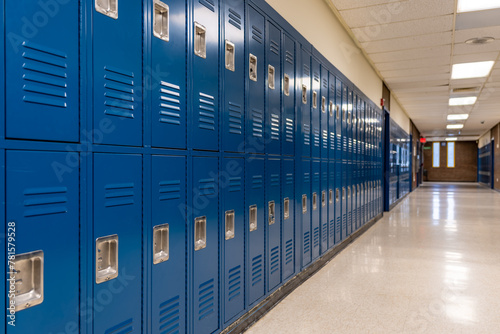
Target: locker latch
304 94
28 276
200 40
287 85
252 67
200 233
230 56
349 192
253 218
106 258
323 104
337 195
304 203
107 7
161 243
343 193
315 100
315 201
229 225
161 21
286 208
330 196
271 212
330 109
271 77
337 109
323 198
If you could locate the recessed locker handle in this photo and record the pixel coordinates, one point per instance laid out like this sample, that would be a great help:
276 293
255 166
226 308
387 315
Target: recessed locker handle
252 67
200 233
337 110
315 201
28 278
230 232
287 85
315 100
271 76
253 217
330 196
161 21
271 213
161 243
330 109
304 94
106 258
304 203
286 208
349 192
323 198
107 7
200 40
323 104
230 56
337 195
343 193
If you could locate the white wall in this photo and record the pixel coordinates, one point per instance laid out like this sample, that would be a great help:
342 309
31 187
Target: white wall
485 139
315 20
399 115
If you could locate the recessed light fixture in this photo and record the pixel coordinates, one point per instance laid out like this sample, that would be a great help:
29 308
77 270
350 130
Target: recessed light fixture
472 70
462 101
475 5
452 139
457 117
454 126
480 40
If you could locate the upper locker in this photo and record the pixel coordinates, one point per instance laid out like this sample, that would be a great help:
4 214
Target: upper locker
168 74
117 79
332 111
42 70
325 108
254 37
205 75
288 119
233 115
315 108
273 107
305 110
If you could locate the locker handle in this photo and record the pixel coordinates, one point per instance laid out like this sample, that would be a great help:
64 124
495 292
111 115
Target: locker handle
315 201
252 67
230 232
337 195
304 203
315 100
287 85
343 193
349 192
271 76
304 94
331 109
330 196
230 56
253 218
161 24
349 117
200 233
286 208
271 212
323 198
29 282
337 108
106 258
161 243
200 40
323 105
107 7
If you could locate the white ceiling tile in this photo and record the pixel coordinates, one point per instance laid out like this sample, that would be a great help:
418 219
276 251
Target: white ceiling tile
435 51
409 85
462 48
429 77
411 42
417 63
462 35
468 58
416 72
348 4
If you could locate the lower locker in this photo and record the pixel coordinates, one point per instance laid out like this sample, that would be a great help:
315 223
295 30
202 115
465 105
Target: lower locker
117 222
168 250
233 215
316 208
255 266
273 223
331 204
41 207
205 220
288 216
349 199
344 200
338 201
324 206
305 191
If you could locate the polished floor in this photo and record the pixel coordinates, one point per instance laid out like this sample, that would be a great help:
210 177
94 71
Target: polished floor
431 265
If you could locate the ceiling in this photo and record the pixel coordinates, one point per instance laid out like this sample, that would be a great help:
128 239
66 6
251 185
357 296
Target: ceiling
413 45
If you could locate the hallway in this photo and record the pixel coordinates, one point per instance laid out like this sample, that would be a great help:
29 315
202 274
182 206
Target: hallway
431 265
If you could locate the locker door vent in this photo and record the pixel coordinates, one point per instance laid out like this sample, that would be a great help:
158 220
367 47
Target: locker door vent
289 57
307 134
170 103
257 35
206 299
316 137
275 180
275 260
234 18
119 194
257 123
289 251
235 184
235 118
209 4
332 140
324 236
124 327
275 127
169 190
257 181
45 75
45 201
234 283
289 130
306 69
325 139
307 242
307 177
257 270
169 316
207 112
207 187
119 92
316 237
274 47
289 178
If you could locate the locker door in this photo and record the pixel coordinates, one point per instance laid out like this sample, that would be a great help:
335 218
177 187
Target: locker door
316 108
205 75
354 125
117 242
168 74
344 123
288 216
339 121
305 202
117 80
233 215
255 82
273 223
168 251
323 203
331 110
205 222
254 171
306 105
338 201
331 204
344 199
41 207
324 108
41 68
273 108
289 81
233 119
316 208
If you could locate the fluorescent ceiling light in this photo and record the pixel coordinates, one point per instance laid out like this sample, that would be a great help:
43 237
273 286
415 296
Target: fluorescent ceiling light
457 117
472 70
452 139
463 101
454 126
474 5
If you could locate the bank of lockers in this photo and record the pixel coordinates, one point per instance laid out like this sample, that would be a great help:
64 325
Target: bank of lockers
192 156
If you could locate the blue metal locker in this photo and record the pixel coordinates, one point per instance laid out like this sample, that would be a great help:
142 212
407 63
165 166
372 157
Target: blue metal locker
354 161
233 116
42 71
316 208
323 204
273 223
344 115
255 220
306 105
117 79
168 74
331 203
344 183
273 107
288 100
204 133
288 216
315 108
168 249
256 78
339 121
305 191
117 238
205 220
42 214
3 224
233 215
325 108
331 119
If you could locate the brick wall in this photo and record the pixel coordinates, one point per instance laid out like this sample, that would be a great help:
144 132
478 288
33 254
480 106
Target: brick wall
465 163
